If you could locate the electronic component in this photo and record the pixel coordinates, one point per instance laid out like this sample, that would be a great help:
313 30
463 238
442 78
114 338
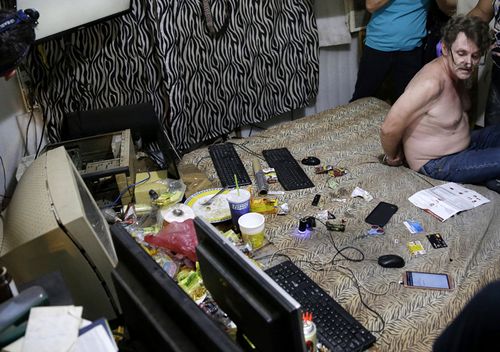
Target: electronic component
316 200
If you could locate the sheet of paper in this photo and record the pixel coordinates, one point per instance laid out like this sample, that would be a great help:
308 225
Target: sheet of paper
52 329
95 340
446 200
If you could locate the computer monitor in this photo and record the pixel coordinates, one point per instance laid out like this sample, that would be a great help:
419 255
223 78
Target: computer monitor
263 312
61 16
52 224
158 314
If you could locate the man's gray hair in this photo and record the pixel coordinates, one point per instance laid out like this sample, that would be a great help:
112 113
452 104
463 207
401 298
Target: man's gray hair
474 29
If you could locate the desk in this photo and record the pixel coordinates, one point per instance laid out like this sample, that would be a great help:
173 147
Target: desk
348 136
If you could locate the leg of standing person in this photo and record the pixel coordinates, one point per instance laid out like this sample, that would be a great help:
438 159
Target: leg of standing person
476 328
479 163
406 65
492 113
373 69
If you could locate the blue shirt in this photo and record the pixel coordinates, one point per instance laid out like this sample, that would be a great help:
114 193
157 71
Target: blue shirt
398 26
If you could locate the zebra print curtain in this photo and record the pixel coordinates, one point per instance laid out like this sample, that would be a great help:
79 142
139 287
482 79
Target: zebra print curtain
265 63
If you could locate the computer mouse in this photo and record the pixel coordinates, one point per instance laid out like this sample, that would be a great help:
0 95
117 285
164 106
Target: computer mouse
391 261
310 160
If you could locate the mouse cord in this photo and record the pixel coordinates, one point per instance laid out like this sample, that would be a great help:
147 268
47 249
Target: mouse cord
358 287
339 251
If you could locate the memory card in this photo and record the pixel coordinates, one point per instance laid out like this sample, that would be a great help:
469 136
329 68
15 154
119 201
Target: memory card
436 240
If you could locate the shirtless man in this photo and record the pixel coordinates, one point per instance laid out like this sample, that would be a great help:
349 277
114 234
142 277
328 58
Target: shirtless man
428 125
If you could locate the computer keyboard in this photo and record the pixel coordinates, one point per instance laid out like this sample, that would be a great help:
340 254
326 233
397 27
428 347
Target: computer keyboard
290 173
227 163
337 329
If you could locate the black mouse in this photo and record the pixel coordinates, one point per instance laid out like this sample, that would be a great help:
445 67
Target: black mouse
310 160
391 261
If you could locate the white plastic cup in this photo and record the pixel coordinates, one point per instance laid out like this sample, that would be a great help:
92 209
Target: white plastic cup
239 204
252 227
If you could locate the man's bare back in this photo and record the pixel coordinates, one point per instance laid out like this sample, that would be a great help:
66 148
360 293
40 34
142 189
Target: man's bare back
443 127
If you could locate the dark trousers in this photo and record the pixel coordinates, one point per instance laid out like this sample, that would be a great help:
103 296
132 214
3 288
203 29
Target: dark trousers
375 66
492 113
477 327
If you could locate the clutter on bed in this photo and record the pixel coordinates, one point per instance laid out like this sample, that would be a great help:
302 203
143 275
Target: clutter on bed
340 252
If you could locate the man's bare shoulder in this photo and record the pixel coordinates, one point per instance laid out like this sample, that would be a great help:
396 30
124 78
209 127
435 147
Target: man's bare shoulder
431 79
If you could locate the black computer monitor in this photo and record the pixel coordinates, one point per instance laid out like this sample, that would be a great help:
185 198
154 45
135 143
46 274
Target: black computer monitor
158 314
263 312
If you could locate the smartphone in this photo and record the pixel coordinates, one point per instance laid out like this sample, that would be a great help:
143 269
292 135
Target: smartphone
433 281
381 214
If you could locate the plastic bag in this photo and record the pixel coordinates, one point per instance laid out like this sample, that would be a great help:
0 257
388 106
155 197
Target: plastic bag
173 194
178 237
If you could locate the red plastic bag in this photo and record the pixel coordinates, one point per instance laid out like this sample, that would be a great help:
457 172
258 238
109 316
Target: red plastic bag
179 237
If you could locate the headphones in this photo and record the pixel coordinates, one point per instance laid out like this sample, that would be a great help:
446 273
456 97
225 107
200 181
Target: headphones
29 15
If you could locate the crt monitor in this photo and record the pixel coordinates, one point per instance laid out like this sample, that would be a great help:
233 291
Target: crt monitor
61 16
52 224
159 316
263 312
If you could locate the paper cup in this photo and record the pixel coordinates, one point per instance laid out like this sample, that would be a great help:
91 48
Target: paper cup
239 204
252 229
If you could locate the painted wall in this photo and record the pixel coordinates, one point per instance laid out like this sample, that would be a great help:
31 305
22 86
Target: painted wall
13 126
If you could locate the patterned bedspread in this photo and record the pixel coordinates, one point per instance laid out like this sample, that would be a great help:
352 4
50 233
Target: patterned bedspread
348 136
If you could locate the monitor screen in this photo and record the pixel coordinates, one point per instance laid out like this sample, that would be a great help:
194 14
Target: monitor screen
60 16
158 314
52 224
263 312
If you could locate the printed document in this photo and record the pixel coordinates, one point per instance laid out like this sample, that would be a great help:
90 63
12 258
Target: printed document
446 200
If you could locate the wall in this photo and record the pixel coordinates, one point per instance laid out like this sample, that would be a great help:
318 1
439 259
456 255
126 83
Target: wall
13 125
264 64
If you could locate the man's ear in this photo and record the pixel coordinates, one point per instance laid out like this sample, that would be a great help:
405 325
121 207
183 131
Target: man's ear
9 74
444 49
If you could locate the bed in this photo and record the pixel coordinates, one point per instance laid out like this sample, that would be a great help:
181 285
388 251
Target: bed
348 136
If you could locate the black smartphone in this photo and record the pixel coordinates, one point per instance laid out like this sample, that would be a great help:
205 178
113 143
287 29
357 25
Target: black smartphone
381 214
433 281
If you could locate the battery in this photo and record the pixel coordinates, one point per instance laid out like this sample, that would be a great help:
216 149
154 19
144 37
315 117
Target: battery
310 336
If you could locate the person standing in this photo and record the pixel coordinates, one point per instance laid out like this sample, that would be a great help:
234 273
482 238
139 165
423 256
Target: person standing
488 10
394 46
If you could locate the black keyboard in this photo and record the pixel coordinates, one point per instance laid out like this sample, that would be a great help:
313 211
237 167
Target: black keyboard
227 163
336 328
290 174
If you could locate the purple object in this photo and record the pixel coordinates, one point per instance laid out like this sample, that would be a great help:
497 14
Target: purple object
439 49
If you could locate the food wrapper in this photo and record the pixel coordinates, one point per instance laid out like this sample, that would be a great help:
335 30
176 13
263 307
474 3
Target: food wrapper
190 281
264 205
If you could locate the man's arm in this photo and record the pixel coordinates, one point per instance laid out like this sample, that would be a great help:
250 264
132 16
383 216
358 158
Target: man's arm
374 5
483 10
412 105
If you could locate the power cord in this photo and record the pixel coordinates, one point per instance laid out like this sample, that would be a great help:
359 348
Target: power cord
126 190
248 150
